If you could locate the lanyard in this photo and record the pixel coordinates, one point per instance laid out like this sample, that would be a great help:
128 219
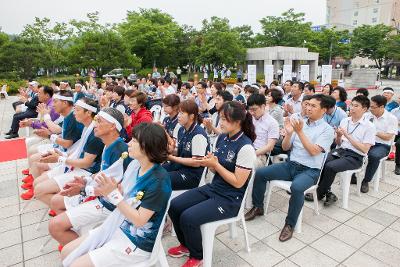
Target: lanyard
348 124
217 120
333 115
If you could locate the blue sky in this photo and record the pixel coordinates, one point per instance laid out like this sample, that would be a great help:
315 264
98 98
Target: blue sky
17 13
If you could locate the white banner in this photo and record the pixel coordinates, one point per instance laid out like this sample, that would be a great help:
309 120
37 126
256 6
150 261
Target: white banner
287 73
269 74
326 74
305 73
251 74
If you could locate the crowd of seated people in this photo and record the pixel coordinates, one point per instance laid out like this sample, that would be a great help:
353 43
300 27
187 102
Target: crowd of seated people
100 153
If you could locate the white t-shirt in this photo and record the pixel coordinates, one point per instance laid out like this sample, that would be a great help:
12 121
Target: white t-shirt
363 131
387 123
170 90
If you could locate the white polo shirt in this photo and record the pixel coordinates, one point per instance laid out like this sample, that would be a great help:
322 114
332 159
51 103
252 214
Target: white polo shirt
363 131
387 123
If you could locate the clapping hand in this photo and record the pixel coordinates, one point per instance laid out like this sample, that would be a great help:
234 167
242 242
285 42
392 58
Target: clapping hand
209 161
288 126
105 185
73 188
297 124
42 109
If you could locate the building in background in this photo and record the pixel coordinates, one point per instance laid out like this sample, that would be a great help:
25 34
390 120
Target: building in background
349 14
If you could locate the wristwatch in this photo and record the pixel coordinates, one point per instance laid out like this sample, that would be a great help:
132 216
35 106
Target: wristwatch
82 192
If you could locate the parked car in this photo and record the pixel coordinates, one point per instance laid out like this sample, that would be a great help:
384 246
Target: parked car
115 73
132 77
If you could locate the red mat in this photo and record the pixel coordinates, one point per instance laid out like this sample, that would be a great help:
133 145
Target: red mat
12 149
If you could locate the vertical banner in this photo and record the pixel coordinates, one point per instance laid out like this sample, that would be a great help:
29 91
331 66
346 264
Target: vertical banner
326 74
305 73
287 73
251 74
269 74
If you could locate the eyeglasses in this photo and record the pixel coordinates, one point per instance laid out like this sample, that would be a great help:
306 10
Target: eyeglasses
254 109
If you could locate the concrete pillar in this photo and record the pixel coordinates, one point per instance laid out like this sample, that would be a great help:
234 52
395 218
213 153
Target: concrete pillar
313 69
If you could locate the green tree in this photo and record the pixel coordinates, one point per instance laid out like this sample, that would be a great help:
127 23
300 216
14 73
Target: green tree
372 42
329 43
246 35
290 29
53 40
220 44
152 35
394 47
102 50
3 38
23 56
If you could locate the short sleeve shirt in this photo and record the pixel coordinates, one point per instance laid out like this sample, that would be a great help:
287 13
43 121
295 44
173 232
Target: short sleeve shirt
71 129
233 152
93 146
387 123
172 126
363 131
156 186
335 118
191 143
266 128
319 133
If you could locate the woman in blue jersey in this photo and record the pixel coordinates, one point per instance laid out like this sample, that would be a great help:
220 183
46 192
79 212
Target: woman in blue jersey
129 243
184 169
232 163
171 108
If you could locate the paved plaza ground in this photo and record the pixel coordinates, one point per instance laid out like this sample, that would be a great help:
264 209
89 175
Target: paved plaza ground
367 234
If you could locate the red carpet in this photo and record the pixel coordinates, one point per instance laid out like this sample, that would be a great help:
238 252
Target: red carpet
12 149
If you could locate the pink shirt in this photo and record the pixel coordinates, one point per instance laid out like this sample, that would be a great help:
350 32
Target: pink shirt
266 128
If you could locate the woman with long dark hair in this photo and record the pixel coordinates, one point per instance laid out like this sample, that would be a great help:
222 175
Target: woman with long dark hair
232 163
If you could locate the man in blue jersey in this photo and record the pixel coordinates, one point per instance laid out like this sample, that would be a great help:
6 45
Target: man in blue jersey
70 133
84 161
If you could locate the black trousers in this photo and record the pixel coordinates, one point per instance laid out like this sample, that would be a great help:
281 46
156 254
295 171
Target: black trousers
344 161
194 208
17 103
19 117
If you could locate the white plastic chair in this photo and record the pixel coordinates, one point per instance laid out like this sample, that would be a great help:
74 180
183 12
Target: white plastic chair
4 91
156 112
345 180
208 229
380 172
279 158
285 185
158 256
249 200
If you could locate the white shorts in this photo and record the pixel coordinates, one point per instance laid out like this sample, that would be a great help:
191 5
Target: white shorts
119 251
55 169
71 202
87 213
43 149
62 179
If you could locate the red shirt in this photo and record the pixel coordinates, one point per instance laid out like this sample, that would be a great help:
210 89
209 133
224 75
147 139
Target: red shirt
143 115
